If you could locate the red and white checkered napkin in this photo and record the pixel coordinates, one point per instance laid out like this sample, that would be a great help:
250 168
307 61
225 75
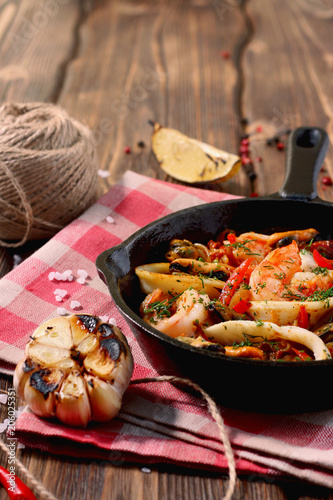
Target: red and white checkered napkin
158 421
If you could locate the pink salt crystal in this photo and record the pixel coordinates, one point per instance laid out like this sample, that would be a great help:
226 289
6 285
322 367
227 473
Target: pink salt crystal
3 398
67 275
82 273
104 319
110 219
112 321
103 173
52 275
61 311
4 425
75 304
60 292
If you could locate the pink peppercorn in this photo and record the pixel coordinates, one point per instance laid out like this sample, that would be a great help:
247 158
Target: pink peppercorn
259 128
127 150
225 54
327 181
280 146
244 149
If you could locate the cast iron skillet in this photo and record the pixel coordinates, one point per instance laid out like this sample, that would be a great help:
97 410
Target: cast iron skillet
264 386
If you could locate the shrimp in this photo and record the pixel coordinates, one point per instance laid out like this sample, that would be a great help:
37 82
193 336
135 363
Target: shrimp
250 245
178 316
283 276
271 277
236 249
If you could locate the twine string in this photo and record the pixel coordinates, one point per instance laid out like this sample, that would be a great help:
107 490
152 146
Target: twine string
26 206
48 171
216 416
37 485
40 488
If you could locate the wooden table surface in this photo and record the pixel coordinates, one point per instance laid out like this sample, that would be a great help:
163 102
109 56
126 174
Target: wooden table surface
214 69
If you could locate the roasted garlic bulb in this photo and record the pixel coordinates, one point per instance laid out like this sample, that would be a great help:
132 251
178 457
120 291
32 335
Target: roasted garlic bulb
76 368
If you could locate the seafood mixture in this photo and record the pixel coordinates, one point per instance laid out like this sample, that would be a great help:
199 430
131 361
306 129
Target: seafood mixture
265 297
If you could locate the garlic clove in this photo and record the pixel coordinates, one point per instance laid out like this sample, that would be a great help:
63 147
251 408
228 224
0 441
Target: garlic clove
46 355
67 365
40 389
22 372
82 325
105 401
55 333
73 406
103 360
99 362
87 345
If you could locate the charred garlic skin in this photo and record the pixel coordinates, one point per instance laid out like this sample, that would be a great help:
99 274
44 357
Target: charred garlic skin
76 369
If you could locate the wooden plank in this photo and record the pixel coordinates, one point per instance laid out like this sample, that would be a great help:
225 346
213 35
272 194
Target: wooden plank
117 64
6 262
287 71
70 478
31 70
161 61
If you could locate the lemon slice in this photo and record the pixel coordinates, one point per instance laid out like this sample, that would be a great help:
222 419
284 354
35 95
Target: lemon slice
189 160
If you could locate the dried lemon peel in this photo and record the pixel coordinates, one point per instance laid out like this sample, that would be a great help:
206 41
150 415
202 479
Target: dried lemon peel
189 160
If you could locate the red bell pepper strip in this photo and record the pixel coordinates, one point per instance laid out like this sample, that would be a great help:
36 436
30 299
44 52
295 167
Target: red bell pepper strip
15 488
231 238
242 306
325 247
302 355
302 317
321 260
234 282
204 336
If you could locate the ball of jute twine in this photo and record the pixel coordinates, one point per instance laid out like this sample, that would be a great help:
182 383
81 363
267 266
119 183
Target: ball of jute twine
212 407
48 171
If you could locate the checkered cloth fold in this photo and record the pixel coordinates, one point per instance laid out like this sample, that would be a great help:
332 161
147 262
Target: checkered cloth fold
158 422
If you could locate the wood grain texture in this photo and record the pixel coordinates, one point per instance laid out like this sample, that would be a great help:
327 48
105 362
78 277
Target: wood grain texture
68 478
31 68
115 65
163 63
288 78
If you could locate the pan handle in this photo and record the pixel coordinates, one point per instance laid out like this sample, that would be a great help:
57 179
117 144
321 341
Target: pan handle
307 147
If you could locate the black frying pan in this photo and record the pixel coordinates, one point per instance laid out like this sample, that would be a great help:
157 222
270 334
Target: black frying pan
263 386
